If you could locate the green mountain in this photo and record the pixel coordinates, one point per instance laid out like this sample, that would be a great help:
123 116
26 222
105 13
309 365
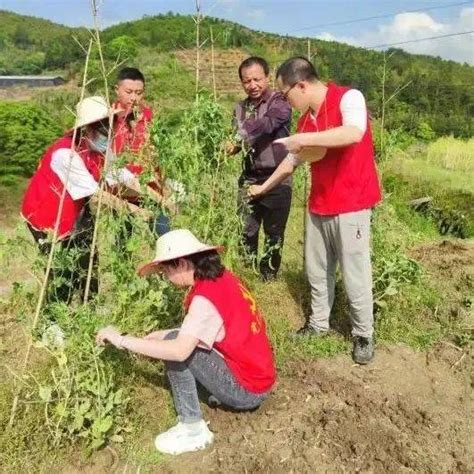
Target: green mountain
424 91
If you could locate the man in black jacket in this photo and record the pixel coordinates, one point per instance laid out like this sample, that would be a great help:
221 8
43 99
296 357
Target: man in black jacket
261 118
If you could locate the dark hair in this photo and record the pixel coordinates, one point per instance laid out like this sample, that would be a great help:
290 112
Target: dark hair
254 60
297 69
207 265
131 73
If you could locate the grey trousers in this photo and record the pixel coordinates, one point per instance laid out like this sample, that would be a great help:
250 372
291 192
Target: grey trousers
343 238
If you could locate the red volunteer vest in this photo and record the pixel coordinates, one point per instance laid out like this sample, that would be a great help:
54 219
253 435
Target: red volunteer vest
132 138
245 347
345 180
41 200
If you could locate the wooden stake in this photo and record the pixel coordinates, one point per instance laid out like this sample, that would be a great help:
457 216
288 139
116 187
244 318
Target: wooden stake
44 285
197 20
213 69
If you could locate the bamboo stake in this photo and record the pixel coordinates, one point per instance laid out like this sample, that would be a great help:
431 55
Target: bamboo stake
213 69
107 153
197 20
308 54
382 119
386 101
42 294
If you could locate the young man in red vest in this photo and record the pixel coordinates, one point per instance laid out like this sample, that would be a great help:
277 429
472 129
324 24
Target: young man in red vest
131 136
222 342
334 136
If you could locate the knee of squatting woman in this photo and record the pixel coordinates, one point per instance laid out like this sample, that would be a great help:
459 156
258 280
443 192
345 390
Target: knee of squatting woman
222 343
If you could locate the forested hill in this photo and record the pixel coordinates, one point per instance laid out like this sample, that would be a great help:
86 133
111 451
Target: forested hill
437 92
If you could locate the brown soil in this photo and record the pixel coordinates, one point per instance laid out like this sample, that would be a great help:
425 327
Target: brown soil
450 264
407 412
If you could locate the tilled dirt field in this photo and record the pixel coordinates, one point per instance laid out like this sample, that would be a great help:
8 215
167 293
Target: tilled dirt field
407 412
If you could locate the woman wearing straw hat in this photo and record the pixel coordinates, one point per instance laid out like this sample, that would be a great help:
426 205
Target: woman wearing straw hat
59 191
222 342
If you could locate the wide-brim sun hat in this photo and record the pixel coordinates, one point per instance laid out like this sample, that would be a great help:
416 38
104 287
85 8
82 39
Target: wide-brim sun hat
92 109
176 244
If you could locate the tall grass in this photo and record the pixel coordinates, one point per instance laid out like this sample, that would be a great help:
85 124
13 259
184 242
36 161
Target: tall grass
452 154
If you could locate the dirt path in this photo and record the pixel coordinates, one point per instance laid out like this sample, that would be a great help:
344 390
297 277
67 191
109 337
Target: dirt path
407 412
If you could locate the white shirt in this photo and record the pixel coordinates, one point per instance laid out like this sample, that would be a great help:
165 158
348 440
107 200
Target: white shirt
74 175
354 113
79 182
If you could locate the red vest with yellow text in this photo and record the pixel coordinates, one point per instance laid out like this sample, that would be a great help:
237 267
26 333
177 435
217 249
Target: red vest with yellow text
42 197
245 347
345 180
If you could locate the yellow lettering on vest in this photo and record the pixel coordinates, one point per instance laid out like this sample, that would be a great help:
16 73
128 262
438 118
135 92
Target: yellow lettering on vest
255 327
248 297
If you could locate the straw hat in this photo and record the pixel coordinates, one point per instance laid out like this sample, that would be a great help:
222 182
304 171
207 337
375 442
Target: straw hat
175 244
92 109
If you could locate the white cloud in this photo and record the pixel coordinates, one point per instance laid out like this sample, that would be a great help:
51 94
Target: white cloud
412 26
255 13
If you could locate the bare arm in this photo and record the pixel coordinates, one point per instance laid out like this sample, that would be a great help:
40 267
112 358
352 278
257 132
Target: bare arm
119 204
285 169
344 135
178 349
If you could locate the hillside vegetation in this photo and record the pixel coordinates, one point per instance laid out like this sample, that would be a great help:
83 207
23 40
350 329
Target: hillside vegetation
84 408
435 93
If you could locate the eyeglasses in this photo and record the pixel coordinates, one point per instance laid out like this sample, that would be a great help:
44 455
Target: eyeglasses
285 94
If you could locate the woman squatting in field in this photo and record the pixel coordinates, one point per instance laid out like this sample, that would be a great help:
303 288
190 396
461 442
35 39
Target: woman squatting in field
222 343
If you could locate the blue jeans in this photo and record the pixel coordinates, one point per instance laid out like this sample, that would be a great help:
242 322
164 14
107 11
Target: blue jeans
210 370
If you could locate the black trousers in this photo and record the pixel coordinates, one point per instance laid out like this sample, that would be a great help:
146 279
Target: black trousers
270 211
71 261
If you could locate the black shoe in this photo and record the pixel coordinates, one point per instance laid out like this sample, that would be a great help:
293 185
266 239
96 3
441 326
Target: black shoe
308 330
363 350
268 276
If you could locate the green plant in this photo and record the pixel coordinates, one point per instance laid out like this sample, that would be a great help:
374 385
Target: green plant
26 132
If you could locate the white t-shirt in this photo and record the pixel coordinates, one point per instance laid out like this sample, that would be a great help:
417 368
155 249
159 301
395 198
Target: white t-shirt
354 113
74 175
80 183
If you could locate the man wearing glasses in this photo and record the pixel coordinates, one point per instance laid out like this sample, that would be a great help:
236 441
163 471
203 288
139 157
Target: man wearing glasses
261 118
334 136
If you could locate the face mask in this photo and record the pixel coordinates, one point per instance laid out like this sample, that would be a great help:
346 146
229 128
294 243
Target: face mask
99 143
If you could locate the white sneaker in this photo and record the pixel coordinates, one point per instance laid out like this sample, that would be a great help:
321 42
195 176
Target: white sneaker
184 437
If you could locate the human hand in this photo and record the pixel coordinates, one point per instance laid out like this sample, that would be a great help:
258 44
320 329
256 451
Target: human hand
231 148
255 190
145 214
108 335
291 143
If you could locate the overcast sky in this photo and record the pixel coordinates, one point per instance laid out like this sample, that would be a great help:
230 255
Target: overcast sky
314 18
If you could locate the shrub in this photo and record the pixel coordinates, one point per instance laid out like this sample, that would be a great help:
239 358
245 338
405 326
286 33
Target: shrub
27 130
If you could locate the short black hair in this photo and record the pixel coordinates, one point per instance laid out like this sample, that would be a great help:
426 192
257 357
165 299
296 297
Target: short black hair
131 73
207 265
297 69
254 60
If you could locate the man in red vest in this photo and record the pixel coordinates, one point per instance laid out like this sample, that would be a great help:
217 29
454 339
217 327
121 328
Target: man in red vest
334 136
131 136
